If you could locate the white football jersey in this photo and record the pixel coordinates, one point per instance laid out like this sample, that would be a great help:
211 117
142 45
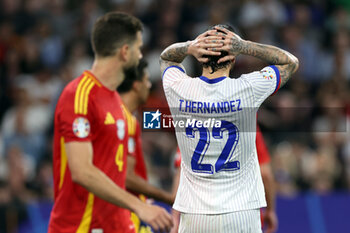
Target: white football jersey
215 128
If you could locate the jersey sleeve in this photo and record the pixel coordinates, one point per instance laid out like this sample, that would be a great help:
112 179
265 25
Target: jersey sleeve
264 83
261 148
172 74
74 123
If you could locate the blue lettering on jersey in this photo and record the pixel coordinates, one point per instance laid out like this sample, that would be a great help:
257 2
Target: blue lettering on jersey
220 106
206 107
181 101
233 106
199 107
239 105
226 106
194 106
188 106
213 108
210 107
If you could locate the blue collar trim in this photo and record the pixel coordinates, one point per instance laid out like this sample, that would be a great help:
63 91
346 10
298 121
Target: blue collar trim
212 81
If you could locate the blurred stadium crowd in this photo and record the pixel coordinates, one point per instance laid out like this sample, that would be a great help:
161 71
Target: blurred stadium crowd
45 43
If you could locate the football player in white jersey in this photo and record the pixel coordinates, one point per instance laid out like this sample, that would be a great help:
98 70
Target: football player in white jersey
214 116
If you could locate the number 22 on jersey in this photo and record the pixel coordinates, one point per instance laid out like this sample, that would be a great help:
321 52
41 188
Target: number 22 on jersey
223 162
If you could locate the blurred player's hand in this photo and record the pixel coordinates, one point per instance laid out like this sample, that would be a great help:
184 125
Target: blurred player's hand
157 217
176 219
205 44
232 43
270 221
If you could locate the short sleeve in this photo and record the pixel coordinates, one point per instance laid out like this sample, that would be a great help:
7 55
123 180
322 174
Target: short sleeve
73 126
264 83
172 74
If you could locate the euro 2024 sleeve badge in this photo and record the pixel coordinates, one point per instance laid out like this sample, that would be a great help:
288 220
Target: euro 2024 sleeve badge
81 127
267 73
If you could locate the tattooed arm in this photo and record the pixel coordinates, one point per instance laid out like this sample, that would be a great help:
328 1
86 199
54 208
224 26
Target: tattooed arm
176 53
173 55
286 63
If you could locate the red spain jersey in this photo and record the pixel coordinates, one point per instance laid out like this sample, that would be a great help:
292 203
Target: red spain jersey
261 149
135 144
135 150
88 111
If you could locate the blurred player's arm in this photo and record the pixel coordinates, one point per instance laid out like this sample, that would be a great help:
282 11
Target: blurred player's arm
136 184
175 213
176 53
270 217
83 171
286 63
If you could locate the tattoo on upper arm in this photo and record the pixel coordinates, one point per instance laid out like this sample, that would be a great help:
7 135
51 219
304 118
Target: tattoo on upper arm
175 53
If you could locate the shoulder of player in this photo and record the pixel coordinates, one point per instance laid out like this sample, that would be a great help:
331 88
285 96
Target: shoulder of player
174 68
251 74
78 93
175 73
81 84
248 78
85 85
261 72
131 121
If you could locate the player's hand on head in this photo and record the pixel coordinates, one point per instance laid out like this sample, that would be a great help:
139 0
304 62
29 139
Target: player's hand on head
207 43
159 219
232 43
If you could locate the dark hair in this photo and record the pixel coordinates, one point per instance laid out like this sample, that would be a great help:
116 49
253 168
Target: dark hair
133 75
213 60
112 30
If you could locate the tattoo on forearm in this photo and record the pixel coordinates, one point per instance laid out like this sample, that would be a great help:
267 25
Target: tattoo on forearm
173 55
237 46
286 62
268 53
286 72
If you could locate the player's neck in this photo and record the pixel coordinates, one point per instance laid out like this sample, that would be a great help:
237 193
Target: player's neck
130 101
216 74
108 72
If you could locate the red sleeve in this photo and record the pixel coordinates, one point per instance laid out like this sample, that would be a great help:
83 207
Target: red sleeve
177 161
73 124
263 153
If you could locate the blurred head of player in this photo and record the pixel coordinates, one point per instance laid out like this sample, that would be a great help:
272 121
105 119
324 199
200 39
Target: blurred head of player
137 81
118 35
213 60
